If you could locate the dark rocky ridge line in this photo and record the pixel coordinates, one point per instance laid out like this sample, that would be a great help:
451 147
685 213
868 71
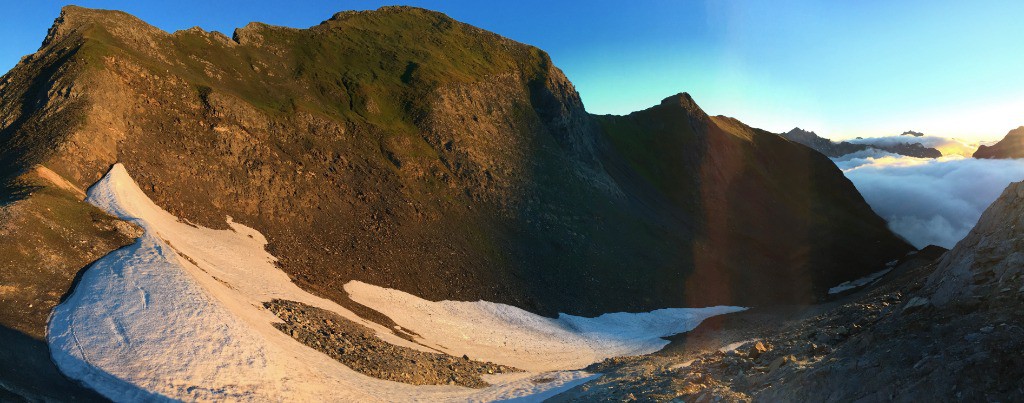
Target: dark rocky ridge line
822 145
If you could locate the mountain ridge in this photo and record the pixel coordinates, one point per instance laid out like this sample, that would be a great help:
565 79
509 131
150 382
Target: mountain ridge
1010 146
834 149
458 146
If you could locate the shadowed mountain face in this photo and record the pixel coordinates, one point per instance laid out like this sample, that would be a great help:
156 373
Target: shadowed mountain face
1011 146
405 149
770 220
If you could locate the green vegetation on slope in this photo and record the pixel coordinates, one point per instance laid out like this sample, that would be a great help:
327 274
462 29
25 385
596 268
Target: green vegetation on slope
47 236
404 149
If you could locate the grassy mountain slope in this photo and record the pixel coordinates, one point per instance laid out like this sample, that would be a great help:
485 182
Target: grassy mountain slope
48 234
405 149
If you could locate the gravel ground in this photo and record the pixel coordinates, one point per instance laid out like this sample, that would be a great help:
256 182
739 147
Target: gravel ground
359 348
885 343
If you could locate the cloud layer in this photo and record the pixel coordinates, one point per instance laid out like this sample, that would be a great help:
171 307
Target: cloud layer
929 201
945 145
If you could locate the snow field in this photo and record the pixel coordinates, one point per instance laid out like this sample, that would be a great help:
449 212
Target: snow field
178 316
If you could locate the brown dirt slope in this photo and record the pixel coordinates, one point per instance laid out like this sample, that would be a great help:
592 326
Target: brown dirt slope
47 236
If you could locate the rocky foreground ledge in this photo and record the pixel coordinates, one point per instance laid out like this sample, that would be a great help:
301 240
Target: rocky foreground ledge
890 342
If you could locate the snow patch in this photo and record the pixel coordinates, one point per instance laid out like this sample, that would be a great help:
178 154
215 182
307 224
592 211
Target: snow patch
684 364
861 282
508 335
178 316
733 346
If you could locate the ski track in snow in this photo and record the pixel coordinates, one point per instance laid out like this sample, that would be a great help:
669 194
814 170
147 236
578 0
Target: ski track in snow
178 316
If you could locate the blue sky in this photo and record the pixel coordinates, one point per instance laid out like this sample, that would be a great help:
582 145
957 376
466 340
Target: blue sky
843 69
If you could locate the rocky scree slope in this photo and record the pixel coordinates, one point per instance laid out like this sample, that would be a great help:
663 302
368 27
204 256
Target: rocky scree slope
988 264
405 149
941 326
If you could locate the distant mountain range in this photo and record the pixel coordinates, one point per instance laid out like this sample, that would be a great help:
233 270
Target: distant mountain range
838 149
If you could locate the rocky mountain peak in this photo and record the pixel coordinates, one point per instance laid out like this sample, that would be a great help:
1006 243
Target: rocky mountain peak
249 35
837 149
683 100
215 36
1011 146
75 19
421 138
802 134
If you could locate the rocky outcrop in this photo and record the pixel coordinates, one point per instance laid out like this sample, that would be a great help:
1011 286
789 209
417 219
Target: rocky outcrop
988 264
909 149
359 348
1011 146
